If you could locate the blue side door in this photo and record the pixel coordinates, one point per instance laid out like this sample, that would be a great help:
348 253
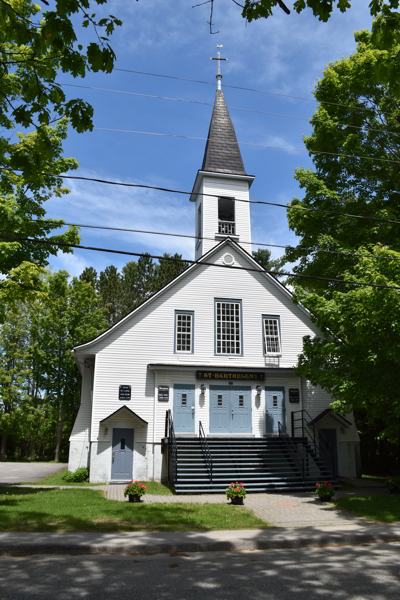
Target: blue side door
241 409
220 409
184 416
122 454
275 409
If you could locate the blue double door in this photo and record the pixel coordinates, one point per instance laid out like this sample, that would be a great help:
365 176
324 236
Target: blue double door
275 409
230 409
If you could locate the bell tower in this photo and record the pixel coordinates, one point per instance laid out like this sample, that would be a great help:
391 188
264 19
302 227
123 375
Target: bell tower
222 185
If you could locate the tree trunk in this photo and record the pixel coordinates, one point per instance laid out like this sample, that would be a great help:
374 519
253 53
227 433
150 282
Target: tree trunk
3 447
60 428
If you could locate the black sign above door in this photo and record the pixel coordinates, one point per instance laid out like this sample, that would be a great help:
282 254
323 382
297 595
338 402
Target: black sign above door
294 395
124 392
229 375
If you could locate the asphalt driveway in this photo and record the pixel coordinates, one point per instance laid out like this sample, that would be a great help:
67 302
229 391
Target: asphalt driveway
24 472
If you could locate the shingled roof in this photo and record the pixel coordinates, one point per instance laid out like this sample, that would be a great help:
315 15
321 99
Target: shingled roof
222 153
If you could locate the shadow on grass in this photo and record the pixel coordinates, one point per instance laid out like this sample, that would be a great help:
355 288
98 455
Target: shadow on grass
384 508
27 509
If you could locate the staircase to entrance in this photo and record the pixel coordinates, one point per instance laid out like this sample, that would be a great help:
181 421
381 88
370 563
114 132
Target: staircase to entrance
208 465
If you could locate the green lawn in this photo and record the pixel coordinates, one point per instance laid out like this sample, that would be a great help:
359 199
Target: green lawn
374 477
23 509
57 479
158 488
384 508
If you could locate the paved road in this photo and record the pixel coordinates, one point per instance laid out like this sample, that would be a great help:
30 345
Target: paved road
14 472
336 573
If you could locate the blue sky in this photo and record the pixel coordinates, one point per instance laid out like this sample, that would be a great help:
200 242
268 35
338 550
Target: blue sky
284 54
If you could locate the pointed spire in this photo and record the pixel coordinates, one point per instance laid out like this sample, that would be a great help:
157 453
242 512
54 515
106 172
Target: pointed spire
222 152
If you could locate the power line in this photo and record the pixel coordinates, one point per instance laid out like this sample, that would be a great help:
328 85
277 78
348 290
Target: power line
161 189
261 112
195 262
189 137
196 237
237 87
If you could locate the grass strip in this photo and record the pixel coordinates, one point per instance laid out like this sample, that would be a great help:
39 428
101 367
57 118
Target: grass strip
384 508
57 479
32 509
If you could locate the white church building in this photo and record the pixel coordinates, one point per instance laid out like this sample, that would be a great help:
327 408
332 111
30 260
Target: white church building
198 383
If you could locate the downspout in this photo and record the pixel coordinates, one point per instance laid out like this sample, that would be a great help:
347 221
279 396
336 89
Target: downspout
154 421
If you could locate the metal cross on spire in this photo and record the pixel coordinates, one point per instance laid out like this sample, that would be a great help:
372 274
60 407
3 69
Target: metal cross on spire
218 59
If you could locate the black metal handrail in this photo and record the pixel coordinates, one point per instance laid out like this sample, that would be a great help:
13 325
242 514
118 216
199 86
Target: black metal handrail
206 452
308 431
172 447
292 447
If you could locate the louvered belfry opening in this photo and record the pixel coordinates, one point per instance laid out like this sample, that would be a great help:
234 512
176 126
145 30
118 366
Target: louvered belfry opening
222 153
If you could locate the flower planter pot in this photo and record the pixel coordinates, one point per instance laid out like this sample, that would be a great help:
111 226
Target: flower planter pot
325 498
238 500
394 490
134 498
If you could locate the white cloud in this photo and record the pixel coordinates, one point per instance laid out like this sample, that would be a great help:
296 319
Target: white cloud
70 262
127 208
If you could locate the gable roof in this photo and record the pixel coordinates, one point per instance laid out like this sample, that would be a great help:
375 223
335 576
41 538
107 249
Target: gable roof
325 413
222 152
228 241
121 411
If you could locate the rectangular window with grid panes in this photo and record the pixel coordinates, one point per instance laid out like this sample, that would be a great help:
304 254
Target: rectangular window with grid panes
184 331
228 327
272 336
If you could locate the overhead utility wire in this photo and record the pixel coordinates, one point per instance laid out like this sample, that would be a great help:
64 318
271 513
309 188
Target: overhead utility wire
189 137
196 262
237 87
161 189
261 112
197 237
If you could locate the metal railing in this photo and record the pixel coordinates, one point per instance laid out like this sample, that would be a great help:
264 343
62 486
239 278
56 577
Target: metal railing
206 452
291 446
226 227
303 423
172 447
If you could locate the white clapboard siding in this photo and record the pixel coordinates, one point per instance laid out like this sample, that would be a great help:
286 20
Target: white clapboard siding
147 336
316 400
233 188
81 426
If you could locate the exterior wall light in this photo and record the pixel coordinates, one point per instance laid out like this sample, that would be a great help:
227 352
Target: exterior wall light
202 388
258 390
105 430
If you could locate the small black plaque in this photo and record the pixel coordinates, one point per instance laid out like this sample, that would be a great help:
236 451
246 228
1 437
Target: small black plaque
163 393
124 392
294 395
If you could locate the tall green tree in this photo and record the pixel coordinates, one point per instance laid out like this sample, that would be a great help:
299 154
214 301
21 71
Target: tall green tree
264 257
14 373
35 46
109 289
167 270
358 357
138 280
67 315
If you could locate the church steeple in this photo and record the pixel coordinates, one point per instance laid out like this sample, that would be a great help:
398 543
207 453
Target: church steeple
223 175
222 153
